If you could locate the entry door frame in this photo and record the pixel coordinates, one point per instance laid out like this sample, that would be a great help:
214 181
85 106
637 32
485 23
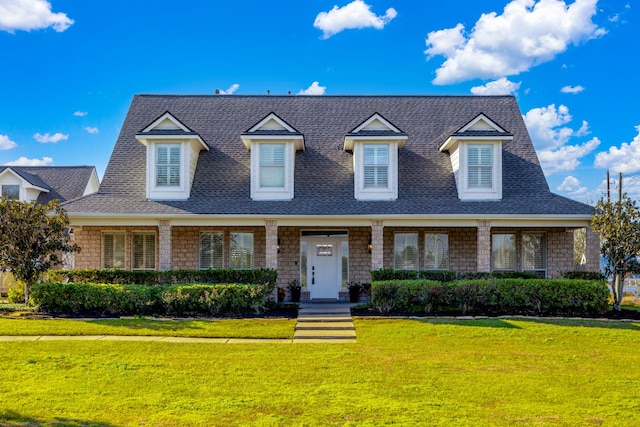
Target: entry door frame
324 271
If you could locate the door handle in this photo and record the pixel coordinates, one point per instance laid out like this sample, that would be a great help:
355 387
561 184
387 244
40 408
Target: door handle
313 274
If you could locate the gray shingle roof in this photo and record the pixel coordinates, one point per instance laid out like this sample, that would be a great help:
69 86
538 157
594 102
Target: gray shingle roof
63 182
324 171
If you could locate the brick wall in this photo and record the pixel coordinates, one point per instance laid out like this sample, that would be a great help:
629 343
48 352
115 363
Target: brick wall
89 238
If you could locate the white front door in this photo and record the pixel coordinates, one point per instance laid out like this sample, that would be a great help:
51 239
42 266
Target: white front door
324 274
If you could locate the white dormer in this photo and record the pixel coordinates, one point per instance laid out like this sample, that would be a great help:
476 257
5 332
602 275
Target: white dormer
172 156
273 144
15 187
375 144
475 151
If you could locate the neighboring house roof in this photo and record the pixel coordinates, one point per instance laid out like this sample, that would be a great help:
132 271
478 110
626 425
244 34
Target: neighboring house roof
63 183
324 176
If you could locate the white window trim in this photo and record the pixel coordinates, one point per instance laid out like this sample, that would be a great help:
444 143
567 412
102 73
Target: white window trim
200 266
285 192
133 249
163 192
493 193
362 193
102 251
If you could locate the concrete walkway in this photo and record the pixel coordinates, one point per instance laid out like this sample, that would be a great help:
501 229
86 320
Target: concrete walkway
325 323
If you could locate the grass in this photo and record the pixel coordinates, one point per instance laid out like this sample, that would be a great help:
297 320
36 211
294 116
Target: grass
228 328
492 372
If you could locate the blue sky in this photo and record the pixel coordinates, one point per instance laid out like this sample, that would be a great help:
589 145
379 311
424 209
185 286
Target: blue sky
70 68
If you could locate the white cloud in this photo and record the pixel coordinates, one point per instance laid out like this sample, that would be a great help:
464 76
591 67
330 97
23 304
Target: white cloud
625 159
550 137
502 86
314 89
80 113
23 161
572 89
234 87
527 34
6 143
356 14
572 186
91 130
46 138
30 15
565 158
630 185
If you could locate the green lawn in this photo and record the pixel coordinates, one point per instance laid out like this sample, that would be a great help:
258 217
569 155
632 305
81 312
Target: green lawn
228 328
399 372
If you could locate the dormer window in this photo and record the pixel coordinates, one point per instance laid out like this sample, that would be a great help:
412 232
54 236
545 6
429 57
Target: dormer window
476 158
273 144
172 156
375 144
480 166
168 165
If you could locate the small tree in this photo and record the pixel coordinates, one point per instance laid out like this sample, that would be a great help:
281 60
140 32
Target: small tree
32 238
618 224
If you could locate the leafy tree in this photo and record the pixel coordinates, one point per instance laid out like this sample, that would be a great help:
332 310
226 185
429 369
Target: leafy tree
618 224
32 238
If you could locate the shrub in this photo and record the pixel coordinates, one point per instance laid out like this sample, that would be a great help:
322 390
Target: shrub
583 275
15 294
179 300
494 296
445 276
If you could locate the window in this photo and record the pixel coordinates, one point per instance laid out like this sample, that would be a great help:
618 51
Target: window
272 165
303 263
241 250
480 163
534 253
376 166
503 252
211 250
406 251
143 255
168 165
345 264
436 251
11 192
113 250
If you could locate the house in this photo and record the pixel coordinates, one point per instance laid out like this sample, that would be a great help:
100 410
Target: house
43 184
327 188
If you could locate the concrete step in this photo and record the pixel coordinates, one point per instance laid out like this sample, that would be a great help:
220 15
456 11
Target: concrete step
346 312
324 334
324 319
326 326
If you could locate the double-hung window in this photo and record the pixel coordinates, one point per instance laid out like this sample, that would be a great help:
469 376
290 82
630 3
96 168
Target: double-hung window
241 247
436 251
376 166
272 165
503 252
113 250
168 165
406 251
480 166
11 192
211 250
534 253
143 254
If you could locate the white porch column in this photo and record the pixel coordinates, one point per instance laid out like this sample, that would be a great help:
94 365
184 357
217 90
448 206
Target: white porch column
271 227
484 246
164 244
377 244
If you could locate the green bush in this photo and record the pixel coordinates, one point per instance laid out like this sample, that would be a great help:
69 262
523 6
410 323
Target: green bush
15 294
445 276
492 296
177 300
583 275
171 277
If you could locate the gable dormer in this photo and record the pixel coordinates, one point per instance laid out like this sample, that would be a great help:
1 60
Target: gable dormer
475 151
20 186
375 144
273 144
172 156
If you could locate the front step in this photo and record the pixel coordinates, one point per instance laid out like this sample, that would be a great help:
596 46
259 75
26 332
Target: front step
324 323
324 334
326 326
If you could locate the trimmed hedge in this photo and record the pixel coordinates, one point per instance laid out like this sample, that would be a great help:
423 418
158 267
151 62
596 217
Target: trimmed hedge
493 296
175 300
152 278
445 276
